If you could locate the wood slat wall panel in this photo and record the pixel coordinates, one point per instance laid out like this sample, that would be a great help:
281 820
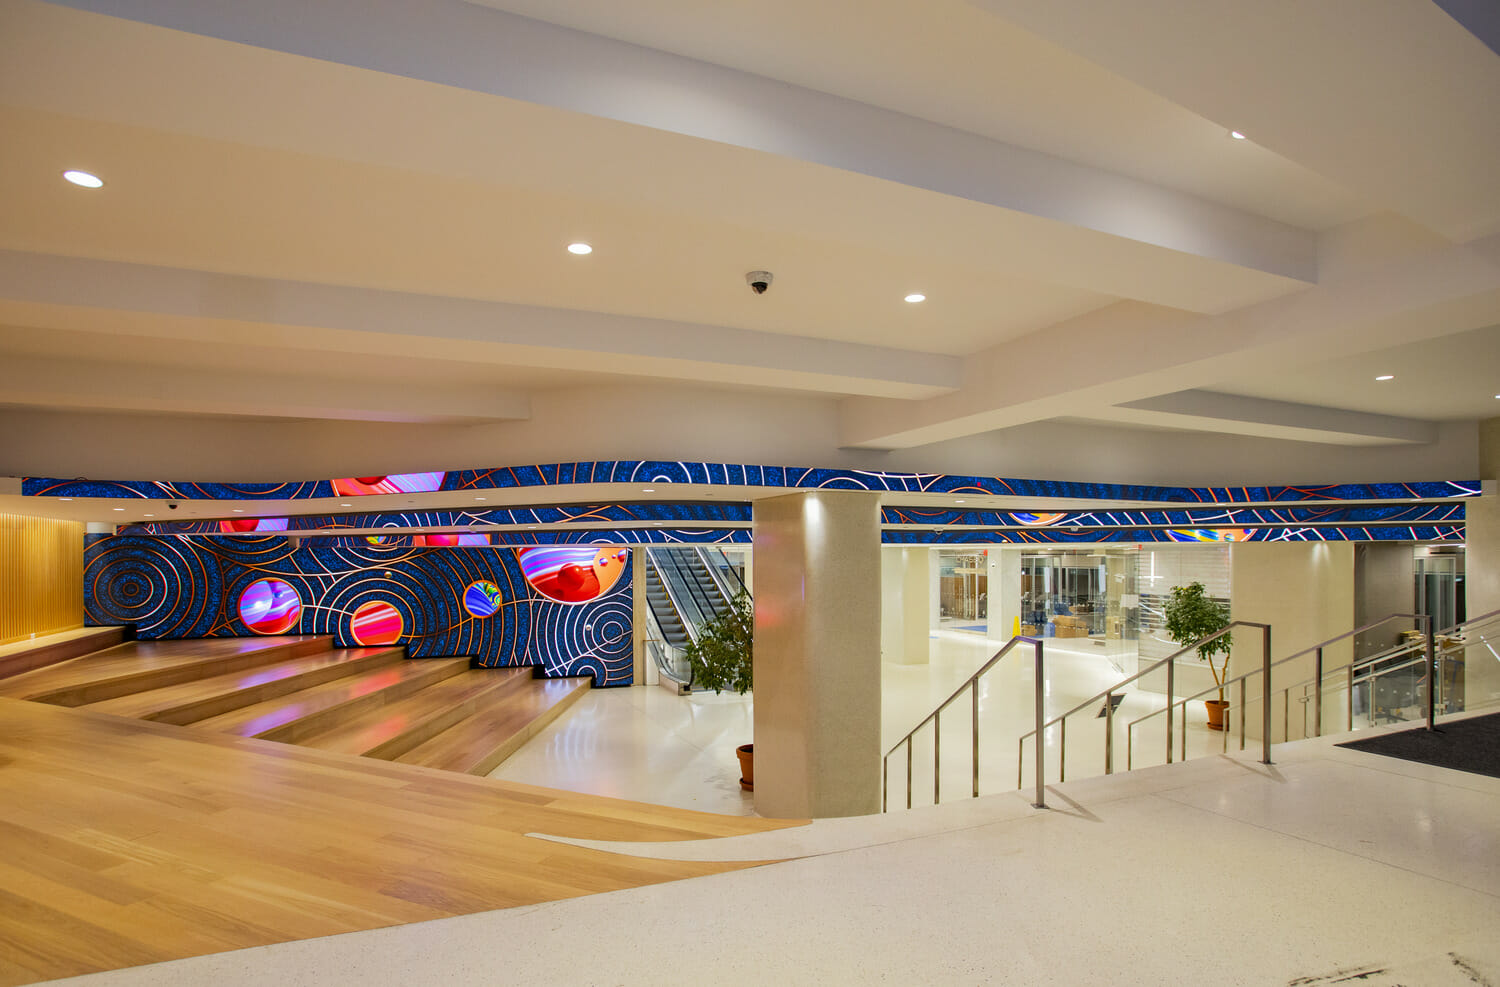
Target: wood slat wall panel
41 576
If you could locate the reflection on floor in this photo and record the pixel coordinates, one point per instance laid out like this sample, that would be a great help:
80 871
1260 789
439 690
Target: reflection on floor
1330 866
649 745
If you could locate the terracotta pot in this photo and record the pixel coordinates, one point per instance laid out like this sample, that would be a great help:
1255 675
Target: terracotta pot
1216 711
747 766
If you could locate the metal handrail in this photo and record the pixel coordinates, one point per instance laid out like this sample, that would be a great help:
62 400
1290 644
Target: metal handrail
935 718
688 625
720 574
1109 713
1266 712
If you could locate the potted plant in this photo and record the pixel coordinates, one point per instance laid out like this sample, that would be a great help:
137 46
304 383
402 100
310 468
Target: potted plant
1192 615
722 658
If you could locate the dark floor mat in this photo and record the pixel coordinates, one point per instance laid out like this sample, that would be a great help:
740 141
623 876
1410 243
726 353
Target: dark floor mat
1471 745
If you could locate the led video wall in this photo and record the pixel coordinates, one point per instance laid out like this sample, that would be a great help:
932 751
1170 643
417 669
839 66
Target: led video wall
567 608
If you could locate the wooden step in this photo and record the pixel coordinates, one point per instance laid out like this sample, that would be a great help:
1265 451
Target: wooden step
140 665
318 708
479 743
189 702
395 728
49 649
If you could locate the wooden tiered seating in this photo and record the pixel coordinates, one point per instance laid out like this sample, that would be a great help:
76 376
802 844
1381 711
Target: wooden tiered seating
133 842
374 702
23 656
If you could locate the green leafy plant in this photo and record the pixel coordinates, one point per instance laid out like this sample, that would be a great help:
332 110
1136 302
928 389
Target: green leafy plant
722 656
1192 615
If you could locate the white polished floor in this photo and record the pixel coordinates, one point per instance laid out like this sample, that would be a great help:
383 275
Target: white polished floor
1330 866
649 745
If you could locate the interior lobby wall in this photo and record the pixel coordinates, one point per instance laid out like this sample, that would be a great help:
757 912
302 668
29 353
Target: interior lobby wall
41 570
1305 591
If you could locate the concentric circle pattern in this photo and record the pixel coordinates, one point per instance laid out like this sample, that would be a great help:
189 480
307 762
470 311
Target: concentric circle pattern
458 601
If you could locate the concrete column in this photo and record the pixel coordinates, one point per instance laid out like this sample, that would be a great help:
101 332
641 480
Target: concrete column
1482 565
1305 591
817 654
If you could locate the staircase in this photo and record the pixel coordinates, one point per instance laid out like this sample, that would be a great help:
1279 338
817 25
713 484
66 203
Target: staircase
372 702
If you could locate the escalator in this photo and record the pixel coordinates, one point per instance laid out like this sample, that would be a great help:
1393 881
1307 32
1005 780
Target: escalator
685 588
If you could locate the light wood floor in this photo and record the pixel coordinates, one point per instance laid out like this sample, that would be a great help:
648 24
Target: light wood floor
125 842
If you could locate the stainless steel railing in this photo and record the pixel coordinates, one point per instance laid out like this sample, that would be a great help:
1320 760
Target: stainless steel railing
1170 663
1267 693
935 718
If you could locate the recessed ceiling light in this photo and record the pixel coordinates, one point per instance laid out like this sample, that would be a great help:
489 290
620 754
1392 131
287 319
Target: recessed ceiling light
84 179
236 510
70 498
958 502
531 526
151 515
346 505
479 498
1236 135
580 249
119 508
915 297
1386 377
648 490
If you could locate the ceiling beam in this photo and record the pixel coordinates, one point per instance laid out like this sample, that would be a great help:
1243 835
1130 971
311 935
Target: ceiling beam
1210 411
72 384
61 292
1130 352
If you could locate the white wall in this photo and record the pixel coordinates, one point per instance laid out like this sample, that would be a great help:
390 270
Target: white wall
1305 591
658 421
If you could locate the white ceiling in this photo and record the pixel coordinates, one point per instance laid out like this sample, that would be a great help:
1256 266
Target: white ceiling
301 221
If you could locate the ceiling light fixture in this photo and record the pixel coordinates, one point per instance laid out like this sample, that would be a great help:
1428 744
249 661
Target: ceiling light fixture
580 249
346 505
70 498
1386 377
236 510
151 515
648 490
83 179
915 297
1236 135
119 508
958 502
479 498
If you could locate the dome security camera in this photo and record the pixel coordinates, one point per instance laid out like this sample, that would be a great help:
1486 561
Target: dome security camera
759 281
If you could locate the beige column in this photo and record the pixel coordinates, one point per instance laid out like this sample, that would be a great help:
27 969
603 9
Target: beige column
1305 591
905 636
1482 565
817 654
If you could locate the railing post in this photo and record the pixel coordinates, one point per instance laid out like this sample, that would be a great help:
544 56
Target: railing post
1318 694
1265 696
885 782
1431 678
1109 733
908 772
1171 692
1349 700
1242 714
937 748
1041 717
1062 750
974 695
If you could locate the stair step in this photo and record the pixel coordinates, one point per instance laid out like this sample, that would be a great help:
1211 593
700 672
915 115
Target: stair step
137 666
479 743
291 717
23 656
190 702
393 729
